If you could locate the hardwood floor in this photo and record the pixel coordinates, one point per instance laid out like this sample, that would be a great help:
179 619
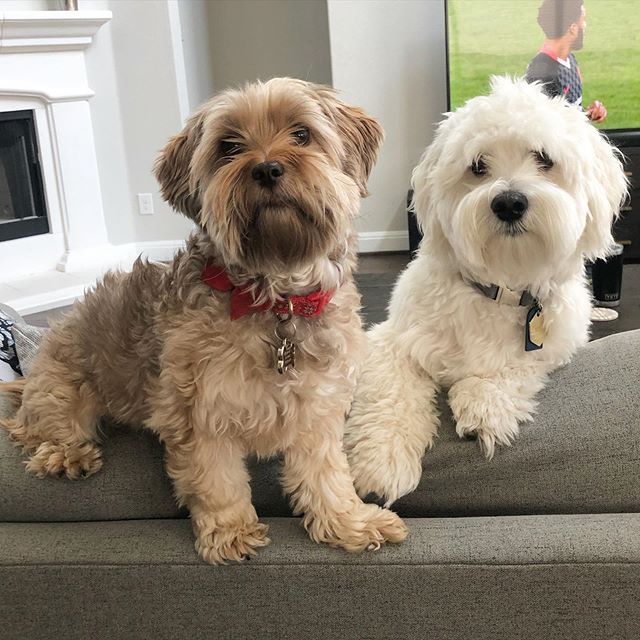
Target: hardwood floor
378 272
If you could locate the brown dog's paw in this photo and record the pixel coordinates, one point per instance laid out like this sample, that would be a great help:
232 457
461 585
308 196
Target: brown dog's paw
232 544
367 527
73 461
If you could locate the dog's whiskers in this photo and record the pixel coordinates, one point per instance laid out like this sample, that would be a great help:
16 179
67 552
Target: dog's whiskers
514 229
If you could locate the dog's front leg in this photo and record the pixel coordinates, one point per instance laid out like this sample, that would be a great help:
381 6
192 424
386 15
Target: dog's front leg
211 478
316 475
393 420
491 408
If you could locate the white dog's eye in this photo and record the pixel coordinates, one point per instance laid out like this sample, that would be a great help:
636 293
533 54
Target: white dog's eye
543 160
479 167
301 136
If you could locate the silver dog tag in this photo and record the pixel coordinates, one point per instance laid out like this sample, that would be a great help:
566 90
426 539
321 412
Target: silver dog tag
285 356
285 333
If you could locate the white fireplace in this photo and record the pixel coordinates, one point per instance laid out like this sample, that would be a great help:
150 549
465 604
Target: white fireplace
42 69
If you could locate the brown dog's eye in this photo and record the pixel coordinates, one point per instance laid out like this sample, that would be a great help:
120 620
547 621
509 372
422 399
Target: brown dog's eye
543 160
230 148
479 167
301 136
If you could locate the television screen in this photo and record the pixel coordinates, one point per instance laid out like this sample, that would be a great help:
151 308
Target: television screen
487 37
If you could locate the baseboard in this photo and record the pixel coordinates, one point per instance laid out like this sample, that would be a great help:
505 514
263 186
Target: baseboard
382 241
26 303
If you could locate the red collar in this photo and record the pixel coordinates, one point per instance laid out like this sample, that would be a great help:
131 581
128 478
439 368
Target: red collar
243 301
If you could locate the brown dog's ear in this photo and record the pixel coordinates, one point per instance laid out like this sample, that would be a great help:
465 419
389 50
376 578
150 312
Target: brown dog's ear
173 168
361 134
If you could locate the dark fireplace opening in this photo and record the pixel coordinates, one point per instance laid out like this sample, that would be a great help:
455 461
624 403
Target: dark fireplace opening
23 211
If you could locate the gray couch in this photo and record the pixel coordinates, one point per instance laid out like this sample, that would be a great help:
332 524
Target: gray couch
541 542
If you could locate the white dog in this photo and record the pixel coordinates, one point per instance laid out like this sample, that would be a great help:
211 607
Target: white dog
515 192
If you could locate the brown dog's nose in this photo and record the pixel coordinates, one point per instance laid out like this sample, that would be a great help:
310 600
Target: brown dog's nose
266 174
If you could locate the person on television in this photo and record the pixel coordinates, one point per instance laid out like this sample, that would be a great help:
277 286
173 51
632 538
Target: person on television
563 23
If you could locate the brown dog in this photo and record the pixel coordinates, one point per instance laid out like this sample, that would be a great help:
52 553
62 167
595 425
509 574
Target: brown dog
202 351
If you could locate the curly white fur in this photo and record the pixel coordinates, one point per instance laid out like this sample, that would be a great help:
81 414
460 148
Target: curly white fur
441 331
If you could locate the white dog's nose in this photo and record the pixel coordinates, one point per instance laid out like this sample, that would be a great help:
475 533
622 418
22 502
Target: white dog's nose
510 206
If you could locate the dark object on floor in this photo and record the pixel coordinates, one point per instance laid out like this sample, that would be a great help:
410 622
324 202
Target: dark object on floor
606 279
415 235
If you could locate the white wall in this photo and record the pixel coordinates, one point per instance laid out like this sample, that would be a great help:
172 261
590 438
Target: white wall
149 108
389 57
253 39
135 110
197 50
108 133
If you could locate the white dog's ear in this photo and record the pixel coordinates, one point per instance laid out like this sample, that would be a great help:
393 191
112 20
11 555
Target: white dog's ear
173 168
423 180
606 190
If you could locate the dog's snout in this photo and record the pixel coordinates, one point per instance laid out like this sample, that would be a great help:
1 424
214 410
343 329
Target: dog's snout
510 206
266 174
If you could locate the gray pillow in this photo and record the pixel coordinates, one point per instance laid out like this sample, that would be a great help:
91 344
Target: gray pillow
9 363
27 339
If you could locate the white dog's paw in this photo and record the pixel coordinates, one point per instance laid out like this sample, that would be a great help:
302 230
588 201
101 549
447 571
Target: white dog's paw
365 527
383 463
482 410
500 430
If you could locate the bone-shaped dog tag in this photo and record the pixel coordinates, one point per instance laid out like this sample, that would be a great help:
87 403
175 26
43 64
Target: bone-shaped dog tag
285 356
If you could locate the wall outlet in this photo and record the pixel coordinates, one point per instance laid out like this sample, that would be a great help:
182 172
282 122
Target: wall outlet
145 204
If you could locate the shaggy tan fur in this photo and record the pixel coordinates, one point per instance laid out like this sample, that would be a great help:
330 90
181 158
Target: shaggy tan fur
156 346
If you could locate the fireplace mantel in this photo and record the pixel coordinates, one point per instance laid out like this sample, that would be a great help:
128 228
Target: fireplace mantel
28 31
43 68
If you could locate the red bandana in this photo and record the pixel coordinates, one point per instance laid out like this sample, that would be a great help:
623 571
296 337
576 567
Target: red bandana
243 302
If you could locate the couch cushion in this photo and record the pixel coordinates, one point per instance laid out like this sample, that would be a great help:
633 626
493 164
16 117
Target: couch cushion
579 456
537 577
497 540
131 484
